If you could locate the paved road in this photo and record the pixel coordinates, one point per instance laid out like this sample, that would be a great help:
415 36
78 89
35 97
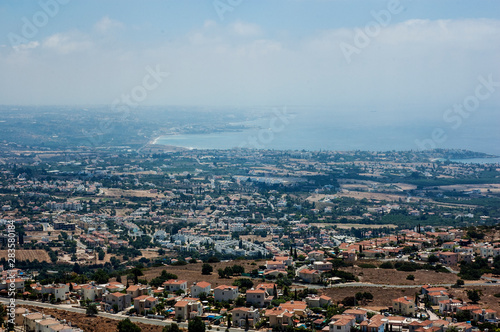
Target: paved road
107 315
364 284
432 316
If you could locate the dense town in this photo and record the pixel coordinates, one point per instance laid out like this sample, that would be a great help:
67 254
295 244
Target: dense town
250 240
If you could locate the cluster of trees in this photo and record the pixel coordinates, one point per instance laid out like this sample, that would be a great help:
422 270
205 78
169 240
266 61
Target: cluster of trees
474 270
164 276
230 271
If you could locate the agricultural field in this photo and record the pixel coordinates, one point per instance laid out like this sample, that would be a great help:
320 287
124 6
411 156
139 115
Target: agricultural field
28 255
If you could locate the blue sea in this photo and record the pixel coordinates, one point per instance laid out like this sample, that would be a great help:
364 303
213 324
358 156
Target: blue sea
289 130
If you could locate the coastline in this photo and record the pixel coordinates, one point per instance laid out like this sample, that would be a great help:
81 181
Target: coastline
479 156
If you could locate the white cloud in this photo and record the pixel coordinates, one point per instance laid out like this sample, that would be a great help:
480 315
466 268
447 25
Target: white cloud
412 62
66 43
28 46
107 24
245 29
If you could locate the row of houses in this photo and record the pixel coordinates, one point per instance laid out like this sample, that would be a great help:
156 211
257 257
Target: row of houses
39 322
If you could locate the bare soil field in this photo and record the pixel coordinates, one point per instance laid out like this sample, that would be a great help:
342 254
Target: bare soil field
28 255
94 324
394 277
372 196
150 254
493 188
192 272
488 300
114 192
405 186
253 238
382 297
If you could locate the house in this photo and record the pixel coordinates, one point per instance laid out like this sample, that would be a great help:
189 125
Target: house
435 297
279 317
138 290
114 287
45 324
449 306
173 285
483 315
187 309
298 308
461 327
245 317
316 255
200 287
374 324
322 266
343 324
404 306
30 320
225 293
359 315
91 292
275 265
288 260
18 284
144 303
429 289
19 316
448 258
270 287
419 326
310 276
121 301
258 297
59 291
314 301
275 273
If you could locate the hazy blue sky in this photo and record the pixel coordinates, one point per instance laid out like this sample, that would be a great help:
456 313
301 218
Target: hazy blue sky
419 55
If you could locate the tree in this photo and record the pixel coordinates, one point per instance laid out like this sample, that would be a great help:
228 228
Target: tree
433 259
474 295
171 328
136 272
238 269
100 276
91 310
127 326
206 269
196 325
243 283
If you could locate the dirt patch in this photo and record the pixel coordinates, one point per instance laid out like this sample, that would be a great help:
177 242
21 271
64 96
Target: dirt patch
114 192
394 277
253 238
374 196
488 300
382 297
28 255
192 272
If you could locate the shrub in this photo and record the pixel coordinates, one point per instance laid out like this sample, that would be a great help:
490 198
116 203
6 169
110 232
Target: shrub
386 265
